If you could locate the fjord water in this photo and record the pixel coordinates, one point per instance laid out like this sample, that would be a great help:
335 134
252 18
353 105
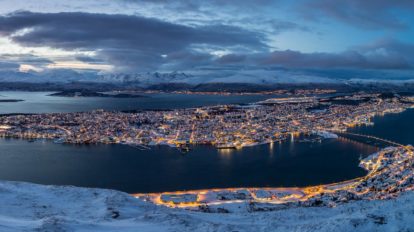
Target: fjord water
40 102
166 169
394 127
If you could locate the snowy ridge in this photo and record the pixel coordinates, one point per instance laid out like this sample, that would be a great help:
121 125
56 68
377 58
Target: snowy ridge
29 207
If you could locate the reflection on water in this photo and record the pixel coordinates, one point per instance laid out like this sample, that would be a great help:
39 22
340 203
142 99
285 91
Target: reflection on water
226 152
271 150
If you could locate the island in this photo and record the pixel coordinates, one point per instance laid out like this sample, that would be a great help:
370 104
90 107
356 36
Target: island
89 93
10 100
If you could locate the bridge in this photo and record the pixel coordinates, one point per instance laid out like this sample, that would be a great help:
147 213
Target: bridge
385 141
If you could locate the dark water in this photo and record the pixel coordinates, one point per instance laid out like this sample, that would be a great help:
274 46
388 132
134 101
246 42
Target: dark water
165 169
39 102
395 127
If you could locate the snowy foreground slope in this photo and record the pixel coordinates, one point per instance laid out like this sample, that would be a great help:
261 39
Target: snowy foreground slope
30 207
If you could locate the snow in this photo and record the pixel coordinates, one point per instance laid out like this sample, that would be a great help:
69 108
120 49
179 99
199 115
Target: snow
31 207
326 134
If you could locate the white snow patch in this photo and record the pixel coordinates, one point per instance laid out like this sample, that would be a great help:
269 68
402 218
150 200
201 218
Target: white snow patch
28 207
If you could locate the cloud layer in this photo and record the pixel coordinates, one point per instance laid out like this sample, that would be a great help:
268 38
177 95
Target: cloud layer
120 39
213 35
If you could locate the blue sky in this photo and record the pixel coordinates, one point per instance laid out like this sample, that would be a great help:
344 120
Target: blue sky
129 36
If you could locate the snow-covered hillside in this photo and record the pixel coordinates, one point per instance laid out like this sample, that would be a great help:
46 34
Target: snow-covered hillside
30 207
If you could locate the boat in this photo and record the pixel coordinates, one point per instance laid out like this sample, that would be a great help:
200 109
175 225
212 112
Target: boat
184 148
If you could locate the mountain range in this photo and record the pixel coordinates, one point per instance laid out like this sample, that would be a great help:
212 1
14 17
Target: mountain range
210 78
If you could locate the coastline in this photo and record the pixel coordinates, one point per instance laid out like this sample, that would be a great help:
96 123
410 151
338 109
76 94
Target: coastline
388 162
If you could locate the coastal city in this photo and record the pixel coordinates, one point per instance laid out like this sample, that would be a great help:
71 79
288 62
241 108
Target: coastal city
224 126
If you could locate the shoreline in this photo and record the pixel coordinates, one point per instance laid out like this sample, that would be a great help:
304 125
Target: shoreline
335 193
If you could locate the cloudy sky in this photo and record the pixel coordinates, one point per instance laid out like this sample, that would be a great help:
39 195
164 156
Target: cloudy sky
128 36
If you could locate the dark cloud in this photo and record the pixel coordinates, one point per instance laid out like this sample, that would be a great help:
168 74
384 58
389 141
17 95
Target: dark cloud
89 59
25 59
232 59
199 5
381 54
126 40
372 14
348 59
134 43
12 62
186 60
388 46
8 66
281 26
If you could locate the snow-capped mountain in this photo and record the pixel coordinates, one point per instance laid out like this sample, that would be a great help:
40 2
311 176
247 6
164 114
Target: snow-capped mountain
194 77
146 78
202 77
151 78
